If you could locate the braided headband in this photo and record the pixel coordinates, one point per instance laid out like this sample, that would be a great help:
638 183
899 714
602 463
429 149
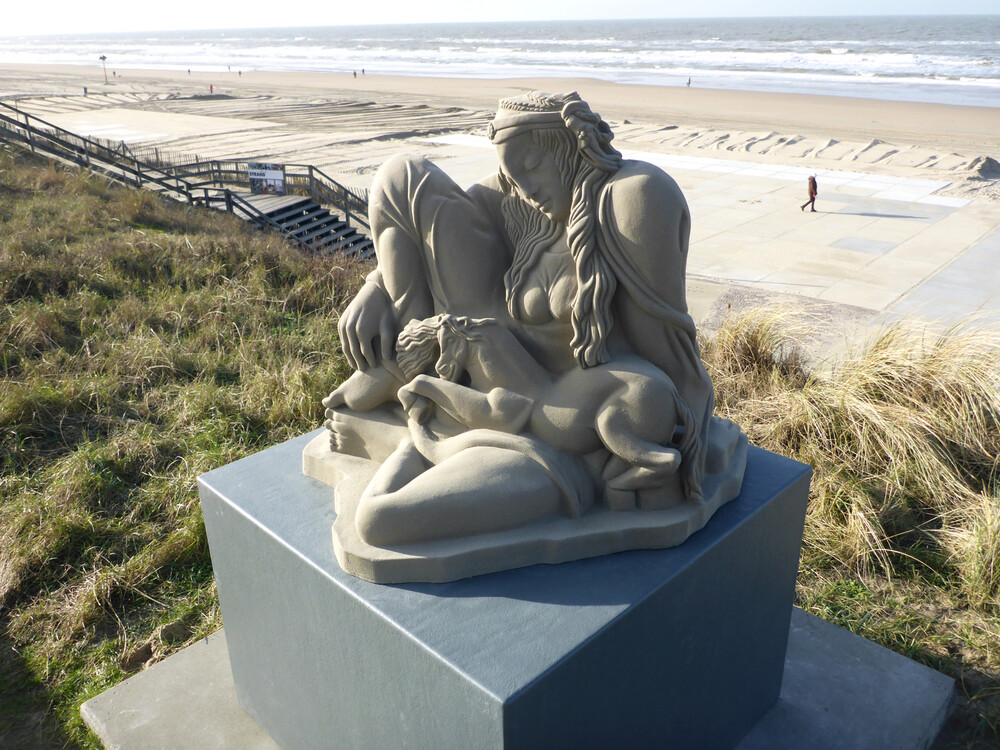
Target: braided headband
533 111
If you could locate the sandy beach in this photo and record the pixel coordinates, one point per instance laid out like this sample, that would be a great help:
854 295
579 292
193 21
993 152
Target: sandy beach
909 219
876 134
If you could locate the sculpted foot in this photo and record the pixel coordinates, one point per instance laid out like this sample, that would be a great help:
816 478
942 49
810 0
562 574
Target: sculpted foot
373 435
365 390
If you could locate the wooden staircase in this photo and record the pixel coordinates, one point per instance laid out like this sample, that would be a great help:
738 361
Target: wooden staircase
301 219
308 224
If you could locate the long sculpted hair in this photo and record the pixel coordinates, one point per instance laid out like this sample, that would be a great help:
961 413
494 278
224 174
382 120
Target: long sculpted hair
586 160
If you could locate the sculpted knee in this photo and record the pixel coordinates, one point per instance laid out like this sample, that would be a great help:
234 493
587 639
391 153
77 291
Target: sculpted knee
371 523
395 184
395 170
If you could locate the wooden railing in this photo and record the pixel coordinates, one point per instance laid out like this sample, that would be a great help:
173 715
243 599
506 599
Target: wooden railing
204 182
304 179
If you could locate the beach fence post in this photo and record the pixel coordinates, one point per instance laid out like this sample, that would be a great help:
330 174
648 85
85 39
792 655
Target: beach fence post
347 205
229 201
27 129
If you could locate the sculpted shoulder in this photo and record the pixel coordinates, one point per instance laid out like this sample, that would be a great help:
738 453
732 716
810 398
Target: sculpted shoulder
642 181
646 202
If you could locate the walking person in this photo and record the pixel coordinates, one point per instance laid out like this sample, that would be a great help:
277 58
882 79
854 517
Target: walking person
813 192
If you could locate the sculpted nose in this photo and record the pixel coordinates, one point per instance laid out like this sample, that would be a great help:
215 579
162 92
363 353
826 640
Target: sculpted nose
529 187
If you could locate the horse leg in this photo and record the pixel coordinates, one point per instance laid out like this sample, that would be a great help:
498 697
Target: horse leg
648 462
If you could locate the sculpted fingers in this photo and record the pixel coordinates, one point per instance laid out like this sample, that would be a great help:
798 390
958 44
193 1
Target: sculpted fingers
367 356
345 329
387 335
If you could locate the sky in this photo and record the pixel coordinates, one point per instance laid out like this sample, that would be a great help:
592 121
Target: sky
97 16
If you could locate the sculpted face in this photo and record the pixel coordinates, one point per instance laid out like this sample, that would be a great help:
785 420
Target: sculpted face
533 170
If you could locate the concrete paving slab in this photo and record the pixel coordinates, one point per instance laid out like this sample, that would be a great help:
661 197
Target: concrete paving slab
859 294
840 692
185 701
865 245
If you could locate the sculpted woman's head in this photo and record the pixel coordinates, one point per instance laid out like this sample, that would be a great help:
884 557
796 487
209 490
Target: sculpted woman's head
555 152
533 170
546 143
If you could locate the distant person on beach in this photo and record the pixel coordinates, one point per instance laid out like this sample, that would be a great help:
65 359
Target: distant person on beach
355 74
211 89
813 192
689 81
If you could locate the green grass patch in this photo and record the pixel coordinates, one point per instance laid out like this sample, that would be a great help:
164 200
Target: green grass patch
142 342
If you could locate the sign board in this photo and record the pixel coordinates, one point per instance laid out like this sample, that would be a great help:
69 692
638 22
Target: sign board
266 179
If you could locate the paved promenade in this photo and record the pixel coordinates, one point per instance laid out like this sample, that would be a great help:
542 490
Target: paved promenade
887 245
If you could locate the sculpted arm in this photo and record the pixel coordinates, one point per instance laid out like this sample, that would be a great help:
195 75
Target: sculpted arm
651 226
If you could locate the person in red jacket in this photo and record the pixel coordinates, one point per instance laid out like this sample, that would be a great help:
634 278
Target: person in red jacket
813 192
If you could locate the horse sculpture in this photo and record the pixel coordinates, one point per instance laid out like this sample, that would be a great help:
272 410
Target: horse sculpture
485 378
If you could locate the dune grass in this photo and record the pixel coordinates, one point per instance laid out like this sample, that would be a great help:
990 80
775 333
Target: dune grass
902 535
143 342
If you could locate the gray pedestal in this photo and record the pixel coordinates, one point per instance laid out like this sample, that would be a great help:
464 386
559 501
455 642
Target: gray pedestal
684 646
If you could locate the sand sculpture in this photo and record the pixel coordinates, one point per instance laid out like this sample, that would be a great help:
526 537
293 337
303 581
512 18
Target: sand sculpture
528 384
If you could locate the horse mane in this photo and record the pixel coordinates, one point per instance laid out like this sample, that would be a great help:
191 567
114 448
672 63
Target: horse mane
418 344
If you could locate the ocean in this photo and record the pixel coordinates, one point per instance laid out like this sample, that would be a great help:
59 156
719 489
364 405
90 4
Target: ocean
947 59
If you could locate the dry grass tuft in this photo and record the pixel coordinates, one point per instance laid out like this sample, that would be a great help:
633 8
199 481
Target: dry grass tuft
902 537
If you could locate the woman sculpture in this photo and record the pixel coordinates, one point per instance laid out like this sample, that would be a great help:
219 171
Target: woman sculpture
567 270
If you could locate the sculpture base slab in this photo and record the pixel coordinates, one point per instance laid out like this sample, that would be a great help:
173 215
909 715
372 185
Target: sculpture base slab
840 692
620 650
598 532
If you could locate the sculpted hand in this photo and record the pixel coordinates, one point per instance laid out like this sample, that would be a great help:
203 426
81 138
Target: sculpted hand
417 406
369 316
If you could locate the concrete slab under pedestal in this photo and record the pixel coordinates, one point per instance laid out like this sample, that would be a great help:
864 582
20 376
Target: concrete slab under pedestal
840 692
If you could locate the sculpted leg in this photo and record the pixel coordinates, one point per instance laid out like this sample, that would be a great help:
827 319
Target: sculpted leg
643 459
480 490
437 249
365 389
